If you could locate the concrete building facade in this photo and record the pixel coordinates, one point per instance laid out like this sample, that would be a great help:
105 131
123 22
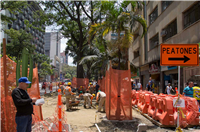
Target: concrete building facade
168 22
27 13
52 49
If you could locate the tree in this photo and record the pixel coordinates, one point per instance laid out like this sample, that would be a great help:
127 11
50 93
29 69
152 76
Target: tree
68 76
71 70
13 7
121 21
46 69
74 18
19 40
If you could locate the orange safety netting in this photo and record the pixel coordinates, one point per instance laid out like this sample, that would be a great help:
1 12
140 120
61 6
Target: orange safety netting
51 123
34 91
102 84
8 109
77 82
118 94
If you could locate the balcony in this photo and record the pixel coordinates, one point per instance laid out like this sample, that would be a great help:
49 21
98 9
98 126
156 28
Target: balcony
154 54
136 61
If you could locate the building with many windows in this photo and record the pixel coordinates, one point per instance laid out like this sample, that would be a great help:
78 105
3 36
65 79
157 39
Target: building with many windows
52 49
27 14
168 22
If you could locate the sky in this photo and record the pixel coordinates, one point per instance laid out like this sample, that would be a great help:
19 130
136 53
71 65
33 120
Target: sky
62 48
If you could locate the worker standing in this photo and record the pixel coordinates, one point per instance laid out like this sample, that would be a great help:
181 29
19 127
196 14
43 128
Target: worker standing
88 99
80 89
91 88
69 95
50 87
102 97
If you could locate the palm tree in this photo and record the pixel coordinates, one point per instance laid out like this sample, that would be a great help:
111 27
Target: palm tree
119 20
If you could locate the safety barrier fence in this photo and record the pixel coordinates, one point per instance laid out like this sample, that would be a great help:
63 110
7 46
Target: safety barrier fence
77 82
160 108
117 86
8 109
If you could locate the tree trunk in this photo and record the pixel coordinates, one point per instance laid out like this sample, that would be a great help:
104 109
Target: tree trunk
80 70
119 60
126 57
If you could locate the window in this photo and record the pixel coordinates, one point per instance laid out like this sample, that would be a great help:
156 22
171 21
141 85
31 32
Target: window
47 52
153 15
170 30
153 42
136 54
192 15
165 4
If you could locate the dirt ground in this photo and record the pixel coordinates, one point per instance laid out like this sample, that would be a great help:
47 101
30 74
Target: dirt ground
83 120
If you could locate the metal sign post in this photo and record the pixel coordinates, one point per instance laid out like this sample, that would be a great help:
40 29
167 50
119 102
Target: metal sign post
178 95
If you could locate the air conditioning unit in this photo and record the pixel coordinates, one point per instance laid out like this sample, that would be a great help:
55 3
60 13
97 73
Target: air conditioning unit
163 33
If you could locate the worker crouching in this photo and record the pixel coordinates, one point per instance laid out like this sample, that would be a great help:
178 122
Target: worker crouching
102 97
69 95
88 99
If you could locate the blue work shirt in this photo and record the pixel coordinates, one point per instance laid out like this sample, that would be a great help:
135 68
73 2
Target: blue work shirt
188 91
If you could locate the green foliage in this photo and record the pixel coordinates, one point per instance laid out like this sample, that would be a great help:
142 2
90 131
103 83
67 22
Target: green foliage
19 40
40 58
13 7
67 76
44 63
74 18
46 69
119 20
71 70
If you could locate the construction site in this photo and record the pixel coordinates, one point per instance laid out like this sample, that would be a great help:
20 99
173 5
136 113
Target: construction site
125 109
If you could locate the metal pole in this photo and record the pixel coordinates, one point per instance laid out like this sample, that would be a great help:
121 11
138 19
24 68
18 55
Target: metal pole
5 82
145 36
178 94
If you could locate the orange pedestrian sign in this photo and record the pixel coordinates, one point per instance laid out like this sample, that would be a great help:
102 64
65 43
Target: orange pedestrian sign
179 55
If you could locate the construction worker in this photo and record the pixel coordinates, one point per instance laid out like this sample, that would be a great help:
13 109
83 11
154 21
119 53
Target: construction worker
102 97
69 95
80 89
81 95
88 99
91 88
50 87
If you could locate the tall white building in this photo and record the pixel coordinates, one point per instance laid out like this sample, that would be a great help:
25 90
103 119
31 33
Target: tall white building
52 49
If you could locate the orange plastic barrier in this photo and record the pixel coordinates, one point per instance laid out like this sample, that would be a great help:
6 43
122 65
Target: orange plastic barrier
192 111
160 107
133 96
135 102
152 106
165 113
145 104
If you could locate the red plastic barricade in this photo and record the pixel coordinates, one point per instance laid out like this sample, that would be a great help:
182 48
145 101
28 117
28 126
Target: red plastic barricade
159 106
135 102
165 112
152 106
145 104
192 111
